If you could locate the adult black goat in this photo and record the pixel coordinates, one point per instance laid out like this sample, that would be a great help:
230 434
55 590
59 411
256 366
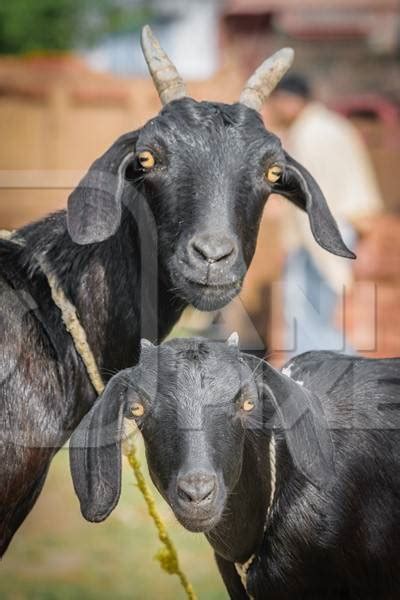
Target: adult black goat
166 217
299 477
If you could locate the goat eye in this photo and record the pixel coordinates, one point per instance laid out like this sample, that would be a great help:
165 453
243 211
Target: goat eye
248 405
273 174
137 409
146 159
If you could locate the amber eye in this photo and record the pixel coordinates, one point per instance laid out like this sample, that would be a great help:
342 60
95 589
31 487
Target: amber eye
274 173
146 159
137 409
248 405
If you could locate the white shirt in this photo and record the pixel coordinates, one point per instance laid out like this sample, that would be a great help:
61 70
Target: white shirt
330 148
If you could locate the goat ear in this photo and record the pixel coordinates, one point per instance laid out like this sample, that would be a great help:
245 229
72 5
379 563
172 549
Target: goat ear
95 454
298 186
94 207
300 415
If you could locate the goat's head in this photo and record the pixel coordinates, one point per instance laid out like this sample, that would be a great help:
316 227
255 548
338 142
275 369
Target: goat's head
195 401
206 170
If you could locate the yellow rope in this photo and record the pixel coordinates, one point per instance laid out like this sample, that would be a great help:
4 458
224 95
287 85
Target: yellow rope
74 328
167 555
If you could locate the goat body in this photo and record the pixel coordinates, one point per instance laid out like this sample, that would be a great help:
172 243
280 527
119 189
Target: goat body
342 542
208 413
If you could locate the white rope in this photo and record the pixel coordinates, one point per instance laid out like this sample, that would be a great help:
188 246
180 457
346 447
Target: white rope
272 466
242 569
5 234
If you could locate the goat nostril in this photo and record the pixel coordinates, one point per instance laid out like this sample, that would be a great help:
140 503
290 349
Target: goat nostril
184 495
196 489
200 251
213 249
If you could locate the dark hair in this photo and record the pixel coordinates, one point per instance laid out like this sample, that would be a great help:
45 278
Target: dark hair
295 84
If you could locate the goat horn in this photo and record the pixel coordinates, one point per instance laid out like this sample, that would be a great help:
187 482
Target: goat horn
265 78
233 339
146 344
168 82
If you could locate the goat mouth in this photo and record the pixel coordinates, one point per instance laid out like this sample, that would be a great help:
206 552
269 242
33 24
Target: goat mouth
208 296
198 524
198 518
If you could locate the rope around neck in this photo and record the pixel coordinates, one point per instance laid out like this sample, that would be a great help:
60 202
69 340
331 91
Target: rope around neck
167 556
242 569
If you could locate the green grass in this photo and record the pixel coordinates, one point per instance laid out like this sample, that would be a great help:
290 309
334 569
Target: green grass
57 555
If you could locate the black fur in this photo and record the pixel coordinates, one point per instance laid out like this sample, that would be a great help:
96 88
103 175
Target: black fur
335 537
45 390
147 232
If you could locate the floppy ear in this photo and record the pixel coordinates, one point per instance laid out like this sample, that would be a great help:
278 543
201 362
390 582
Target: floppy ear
95 453
298 186
301 417
94 207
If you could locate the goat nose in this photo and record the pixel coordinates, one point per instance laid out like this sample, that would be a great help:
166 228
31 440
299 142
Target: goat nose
213 248
197 488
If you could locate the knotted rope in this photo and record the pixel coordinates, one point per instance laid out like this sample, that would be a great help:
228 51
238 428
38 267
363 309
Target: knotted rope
167 555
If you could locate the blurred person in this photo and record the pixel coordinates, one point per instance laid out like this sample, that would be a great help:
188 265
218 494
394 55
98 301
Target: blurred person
329 146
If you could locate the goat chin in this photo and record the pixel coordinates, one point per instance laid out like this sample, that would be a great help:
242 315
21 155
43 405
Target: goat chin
207 297
198 524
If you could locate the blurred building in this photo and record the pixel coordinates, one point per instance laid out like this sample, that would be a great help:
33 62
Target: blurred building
350 50
351 44
187 30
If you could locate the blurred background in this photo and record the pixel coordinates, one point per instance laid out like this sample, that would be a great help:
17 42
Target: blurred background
72 79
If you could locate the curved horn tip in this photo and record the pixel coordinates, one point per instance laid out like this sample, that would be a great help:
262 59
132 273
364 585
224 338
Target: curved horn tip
233 339
147 37
262 82
146 29
146 344
287 54
166 78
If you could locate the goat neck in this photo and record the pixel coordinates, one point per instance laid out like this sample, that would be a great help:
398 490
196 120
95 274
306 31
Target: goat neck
104 282
240 532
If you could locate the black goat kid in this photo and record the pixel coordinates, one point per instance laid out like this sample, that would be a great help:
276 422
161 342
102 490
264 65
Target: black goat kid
299 473
166 217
